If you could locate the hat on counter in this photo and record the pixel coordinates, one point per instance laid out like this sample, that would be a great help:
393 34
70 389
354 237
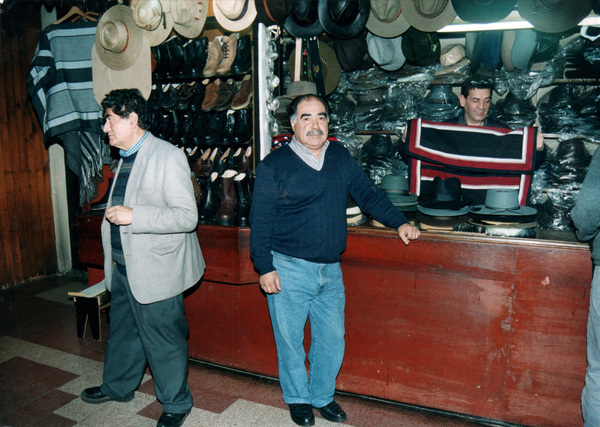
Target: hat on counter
397 189
483 11
554 16
386 52
446 194
303 21
386 18
271 12
502 205
153 16
118 40
428 15
189 17
343 18
234 15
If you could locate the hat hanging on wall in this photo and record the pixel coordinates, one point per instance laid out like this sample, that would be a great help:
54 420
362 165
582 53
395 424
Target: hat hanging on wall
386 18
483 11
271 12
234 15
420 47
330 67
427 15
386 52
118 39
554 16
344 18
303 21
153 16
189 17
353 54
138 75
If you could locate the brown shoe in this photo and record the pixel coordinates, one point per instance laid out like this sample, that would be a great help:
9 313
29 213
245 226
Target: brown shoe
213 59
228 49
244 96
226 93
211 94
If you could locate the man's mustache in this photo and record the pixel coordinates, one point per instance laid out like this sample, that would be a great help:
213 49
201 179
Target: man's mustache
315 132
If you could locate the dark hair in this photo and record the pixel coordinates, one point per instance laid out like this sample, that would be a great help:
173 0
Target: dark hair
471 84
126 101
293 107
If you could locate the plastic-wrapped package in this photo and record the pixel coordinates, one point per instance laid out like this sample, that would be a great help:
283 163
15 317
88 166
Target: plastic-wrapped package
514 112
402 104
440 104
369 109
379 156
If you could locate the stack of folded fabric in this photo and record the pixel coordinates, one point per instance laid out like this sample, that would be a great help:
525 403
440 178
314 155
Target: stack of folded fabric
444 207
501 215
396 188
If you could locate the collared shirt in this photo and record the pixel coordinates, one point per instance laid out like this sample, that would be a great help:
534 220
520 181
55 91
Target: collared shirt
135 147
307 157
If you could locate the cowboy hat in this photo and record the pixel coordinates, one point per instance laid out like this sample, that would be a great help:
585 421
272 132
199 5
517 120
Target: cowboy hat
271 12
189 17
554 16
330 67
353 54
343 18
386 18
303 21
138 75
386 52
428 15
445 194
234 15
155 17
483 11
502 204
118 39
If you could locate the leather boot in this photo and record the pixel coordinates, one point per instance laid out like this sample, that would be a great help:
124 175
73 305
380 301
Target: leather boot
198 193
196 100
243 126
200 45
228 48
201 120
213 58
246 162
242 189
198 166
225 215
207 210
209 164
221 163
243 57
229 128
235 159
216 128
211 94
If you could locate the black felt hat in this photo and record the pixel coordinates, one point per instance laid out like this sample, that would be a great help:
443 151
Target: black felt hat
446 194
344 18
271 12
483 11
303 21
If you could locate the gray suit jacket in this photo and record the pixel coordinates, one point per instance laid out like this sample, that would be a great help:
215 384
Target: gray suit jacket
162 253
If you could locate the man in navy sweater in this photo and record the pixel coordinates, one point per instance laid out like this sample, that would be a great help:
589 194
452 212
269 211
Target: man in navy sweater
298 234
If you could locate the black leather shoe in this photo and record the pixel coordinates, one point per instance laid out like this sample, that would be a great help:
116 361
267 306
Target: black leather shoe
172 420
95 395
302 414
332 412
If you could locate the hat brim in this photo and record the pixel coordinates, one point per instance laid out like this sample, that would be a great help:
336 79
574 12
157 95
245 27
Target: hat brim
245 19
483 11
192 31
387 29
560 19
344 31
272 13
443 212
521 214
330 66
416 19
299 30
119 60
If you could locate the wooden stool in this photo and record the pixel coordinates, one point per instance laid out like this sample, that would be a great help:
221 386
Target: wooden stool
88 304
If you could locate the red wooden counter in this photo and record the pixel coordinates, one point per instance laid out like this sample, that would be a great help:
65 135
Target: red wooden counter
487 326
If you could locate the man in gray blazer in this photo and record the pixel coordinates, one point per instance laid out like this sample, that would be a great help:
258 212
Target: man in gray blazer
151 256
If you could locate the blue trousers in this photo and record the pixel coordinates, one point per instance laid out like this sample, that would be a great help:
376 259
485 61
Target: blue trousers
309 291
141 335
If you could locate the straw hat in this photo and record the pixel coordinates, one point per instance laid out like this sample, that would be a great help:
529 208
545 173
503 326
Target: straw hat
428 15
234 15
386 18
189 17
149 15
118 39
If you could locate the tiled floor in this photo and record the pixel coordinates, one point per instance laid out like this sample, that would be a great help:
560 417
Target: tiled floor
44 367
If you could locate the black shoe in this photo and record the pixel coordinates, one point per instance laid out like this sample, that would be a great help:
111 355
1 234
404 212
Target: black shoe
95 395
302 414
332 412
172 420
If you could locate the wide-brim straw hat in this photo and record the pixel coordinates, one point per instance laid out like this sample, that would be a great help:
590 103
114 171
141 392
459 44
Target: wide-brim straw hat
428 16
154 17
137 76
554 16
386 18
189 17
234 15
118 39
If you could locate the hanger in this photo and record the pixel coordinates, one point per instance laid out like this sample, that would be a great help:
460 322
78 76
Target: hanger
77 13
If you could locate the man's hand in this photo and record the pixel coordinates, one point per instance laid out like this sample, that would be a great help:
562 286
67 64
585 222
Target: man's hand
119 215
408 232
539 141
269 282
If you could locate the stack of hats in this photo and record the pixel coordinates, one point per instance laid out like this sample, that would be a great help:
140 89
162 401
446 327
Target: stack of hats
440 104
557 112
514 112
354 215
502 215
396 188
443 207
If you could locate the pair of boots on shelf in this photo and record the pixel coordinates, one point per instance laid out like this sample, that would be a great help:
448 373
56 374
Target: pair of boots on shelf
222 185
178 57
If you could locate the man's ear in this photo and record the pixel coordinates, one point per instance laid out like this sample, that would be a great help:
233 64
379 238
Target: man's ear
462 100
133 118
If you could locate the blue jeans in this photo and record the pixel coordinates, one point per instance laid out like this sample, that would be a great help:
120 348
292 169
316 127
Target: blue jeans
590 398
309 291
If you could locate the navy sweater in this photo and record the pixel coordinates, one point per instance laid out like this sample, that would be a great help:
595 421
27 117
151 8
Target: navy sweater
301 212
